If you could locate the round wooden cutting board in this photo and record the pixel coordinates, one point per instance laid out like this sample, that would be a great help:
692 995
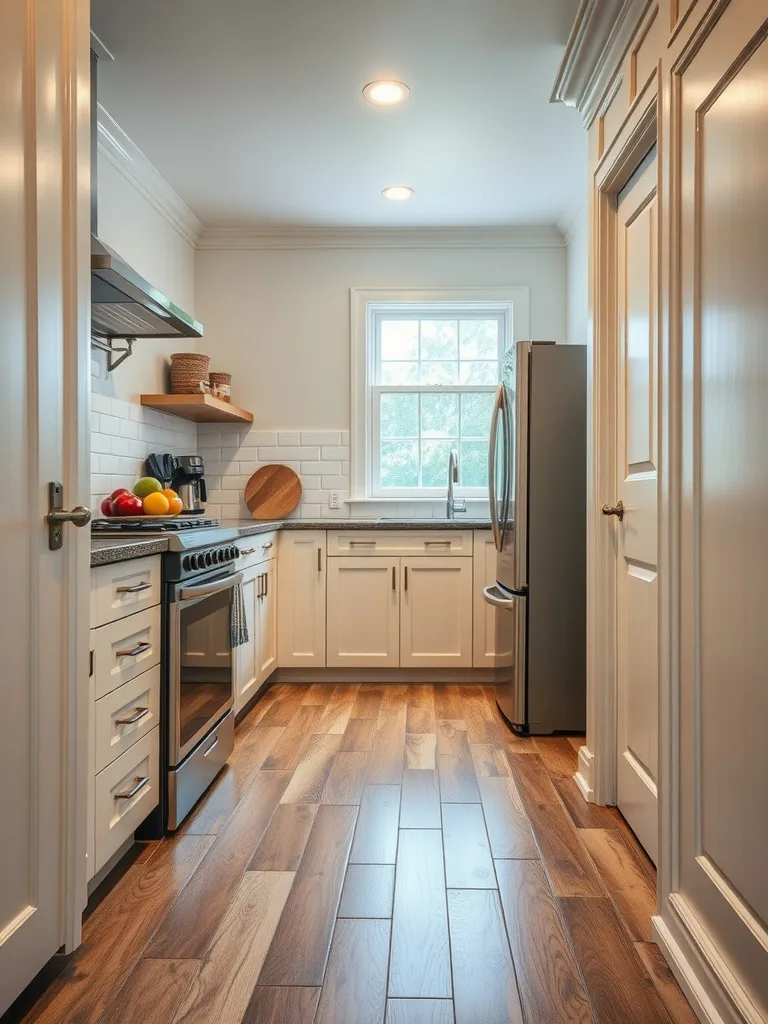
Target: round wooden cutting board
272 492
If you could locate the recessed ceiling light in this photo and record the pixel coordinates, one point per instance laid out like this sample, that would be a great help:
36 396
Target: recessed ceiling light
386 94
397 192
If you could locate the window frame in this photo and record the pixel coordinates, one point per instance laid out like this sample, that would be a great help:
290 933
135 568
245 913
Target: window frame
510 304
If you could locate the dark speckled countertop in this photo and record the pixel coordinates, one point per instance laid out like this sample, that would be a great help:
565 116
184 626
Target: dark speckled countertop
105 550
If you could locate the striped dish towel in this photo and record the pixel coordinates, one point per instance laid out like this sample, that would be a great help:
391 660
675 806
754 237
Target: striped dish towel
238 633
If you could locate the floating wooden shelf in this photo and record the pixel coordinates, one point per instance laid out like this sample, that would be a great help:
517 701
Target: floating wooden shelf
199 408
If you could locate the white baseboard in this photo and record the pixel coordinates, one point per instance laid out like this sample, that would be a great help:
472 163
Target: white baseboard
478 676
583 775
686 977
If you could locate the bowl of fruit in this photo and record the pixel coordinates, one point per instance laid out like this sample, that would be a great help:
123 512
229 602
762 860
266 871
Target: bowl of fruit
148 498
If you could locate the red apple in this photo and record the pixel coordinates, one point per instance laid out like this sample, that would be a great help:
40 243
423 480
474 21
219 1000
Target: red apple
106 507
118 492
128 505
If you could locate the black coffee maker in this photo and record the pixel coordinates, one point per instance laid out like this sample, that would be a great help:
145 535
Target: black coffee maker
189 483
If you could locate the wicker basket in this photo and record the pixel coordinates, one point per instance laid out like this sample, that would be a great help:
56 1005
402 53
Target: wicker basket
222 385
188 370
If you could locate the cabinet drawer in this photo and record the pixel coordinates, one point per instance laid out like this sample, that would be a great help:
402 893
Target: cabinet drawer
114 660
125 587
124 794
400 542
125 715
259 548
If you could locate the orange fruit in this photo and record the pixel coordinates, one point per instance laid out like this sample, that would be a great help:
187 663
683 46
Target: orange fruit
156 504
169 493
176 506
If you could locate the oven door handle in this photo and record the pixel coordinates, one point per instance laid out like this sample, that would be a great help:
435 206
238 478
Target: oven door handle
209 589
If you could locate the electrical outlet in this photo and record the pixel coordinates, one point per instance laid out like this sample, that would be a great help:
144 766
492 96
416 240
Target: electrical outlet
334 501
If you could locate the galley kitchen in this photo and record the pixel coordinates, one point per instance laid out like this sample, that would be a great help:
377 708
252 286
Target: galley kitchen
358 662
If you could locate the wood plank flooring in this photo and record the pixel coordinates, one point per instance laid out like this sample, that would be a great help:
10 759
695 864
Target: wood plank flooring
382 854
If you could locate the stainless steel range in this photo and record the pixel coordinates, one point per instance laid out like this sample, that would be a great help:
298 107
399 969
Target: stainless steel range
197 717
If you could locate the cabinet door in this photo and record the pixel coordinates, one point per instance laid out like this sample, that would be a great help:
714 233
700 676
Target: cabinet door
484 614
436 613
246 669
301 599
266 612
363 612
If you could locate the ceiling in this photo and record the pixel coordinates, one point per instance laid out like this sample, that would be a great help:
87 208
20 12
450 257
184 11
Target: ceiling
252 109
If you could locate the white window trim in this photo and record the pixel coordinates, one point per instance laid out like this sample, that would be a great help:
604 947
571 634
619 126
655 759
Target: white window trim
362 302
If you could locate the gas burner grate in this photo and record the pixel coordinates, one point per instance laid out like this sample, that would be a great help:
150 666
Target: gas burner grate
117 525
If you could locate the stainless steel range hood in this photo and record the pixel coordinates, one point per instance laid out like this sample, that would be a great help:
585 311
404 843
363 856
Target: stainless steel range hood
123 304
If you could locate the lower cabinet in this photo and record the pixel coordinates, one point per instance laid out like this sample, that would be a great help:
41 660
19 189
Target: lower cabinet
301 599
364 612
391 612
436 613
257 659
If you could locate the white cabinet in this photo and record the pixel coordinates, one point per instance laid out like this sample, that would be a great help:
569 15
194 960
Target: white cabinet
484 614
266 616
124 704
363 612
301 599
436 612
256 660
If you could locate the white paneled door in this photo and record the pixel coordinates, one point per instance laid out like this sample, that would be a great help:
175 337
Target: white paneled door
44 310
637 477
722 790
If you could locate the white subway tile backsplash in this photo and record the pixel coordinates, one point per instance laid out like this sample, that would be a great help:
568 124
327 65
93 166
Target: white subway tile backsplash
310 511
297 454
339 452
109 425
121 446
100 403
321 437
288 437
320 468
335 483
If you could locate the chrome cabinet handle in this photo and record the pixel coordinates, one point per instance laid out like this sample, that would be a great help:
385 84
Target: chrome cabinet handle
138 714
246 551
135 589
430 543
362 543
134 651
617 510
212 747
265 547
140 782
266 584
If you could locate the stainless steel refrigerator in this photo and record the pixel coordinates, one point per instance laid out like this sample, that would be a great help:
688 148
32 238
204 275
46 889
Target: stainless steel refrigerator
538 473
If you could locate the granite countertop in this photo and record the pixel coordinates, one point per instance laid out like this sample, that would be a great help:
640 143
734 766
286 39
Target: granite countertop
248 527
105 550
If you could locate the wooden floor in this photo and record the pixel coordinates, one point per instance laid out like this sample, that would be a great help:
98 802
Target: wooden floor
379 854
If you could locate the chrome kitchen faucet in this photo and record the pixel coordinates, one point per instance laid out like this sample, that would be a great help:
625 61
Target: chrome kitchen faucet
453 505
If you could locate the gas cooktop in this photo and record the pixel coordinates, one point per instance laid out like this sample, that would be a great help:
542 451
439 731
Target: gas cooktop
184 534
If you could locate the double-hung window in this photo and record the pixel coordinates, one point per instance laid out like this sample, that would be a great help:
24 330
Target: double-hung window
432 369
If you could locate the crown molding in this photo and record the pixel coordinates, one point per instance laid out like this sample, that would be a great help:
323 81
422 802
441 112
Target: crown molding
381 238
125 155
598 42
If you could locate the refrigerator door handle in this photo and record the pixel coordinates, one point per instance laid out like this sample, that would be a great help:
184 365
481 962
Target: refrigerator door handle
522 398
493 595
509 453
495 521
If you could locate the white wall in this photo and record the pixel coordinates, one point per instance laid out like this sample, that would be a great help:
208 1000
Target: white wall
132 225
577 256
279 321
140 221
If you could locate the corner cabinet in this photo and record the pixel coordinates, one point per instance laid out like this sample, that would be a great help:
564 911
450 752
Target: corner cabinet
257 659
301 599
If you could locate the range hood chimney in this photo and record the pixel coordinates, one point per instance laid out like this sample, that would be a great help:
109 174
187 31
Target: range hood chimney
123 304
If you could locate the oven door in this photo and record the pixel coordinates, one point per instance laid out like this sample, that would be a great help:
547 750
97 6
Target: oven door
200 661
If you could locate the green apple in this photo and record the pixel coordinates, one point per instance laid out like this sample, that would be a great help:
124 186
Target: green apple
147 485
